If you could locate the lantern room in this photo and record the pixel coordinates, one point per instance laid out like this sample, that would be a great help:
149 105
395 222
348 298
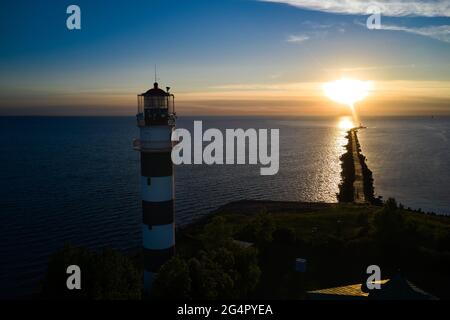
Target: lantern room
156 107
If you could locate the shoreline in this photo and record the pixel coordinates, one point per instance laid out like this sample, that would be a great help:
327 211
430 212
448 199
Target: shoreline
249 207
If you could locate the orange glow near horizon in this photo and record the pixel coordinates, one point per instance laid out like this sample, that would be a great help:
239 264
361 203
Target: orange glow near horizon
388 98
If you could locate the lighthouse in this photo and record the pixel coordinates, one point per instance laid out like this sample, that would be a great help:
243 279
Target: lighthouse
156 121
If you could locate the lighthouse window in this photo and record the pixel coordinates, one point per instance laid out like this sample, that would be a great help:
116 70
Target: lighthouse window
149 181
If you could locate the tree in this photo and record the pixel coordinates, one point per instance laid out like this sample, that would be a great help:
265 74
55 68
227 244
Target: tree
116 277
220 269
246 271
388 221
106 276
216 233
209 281
173 280
284 236
264 228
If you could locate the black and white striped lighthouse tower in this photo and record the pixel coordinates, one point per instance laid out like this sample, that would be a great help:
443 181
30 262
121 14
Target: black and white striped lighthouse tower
156 121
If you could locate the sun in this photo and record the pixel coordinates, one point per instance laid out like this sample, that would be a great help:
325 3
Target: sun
347 91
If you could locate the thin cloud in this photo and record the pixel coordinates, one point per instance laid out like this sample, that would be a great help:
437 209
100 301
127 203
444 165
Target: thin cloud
399 8
305 36
316 26
297 38
441 33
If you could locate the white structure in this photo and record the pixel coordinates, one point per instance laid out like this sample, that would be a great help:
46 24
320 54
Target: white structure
156 120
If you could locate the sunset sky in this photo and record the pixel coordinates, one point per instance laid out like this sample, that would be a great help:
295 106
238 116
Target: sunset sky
231 57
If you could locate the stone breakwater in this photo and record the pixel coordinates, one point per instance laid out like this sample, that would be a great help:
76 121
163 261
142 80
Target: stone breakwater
357 180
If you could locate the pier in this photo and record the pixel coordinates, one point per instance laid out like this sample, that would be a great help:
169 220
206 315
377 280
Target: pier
357 182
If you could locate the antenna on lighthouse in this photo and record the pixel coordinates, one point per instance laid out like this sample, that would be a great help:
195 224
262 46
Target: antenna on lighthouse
156 78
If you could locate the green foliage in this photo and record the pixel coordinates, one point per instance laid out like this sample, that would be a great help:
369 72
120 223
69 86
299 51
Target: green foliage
363 219
105 276
209 281
258 230
388 222
119 278
284 236
245 272
221 270
443 241
216 233
264 226
173 280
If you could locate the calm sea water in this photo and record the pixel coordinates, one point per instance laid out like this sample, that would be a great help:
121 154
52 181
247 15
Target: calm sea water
77 179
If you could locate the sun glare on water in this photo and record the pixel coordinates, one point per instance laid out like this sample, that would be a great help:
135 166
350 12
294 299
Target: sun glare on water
346 123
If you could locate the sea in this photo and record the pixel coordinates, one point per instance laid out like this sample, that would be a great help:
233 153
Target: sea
76 179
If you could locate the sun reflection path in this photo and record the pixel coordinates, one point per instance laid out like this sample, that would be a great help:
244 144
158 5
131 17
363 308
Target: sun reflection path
346 123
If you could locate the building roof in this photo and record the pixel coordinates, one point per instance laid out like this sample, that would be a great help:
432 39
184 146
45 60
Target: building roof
397 288
353 291
155 92
243 244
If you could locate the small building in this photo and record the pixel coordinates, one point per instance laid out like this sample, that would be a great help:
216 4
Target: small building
300 265
243 244
397 288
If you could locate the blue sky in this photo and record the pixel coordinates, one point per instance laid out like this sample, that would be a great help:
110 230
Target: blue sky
218 56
